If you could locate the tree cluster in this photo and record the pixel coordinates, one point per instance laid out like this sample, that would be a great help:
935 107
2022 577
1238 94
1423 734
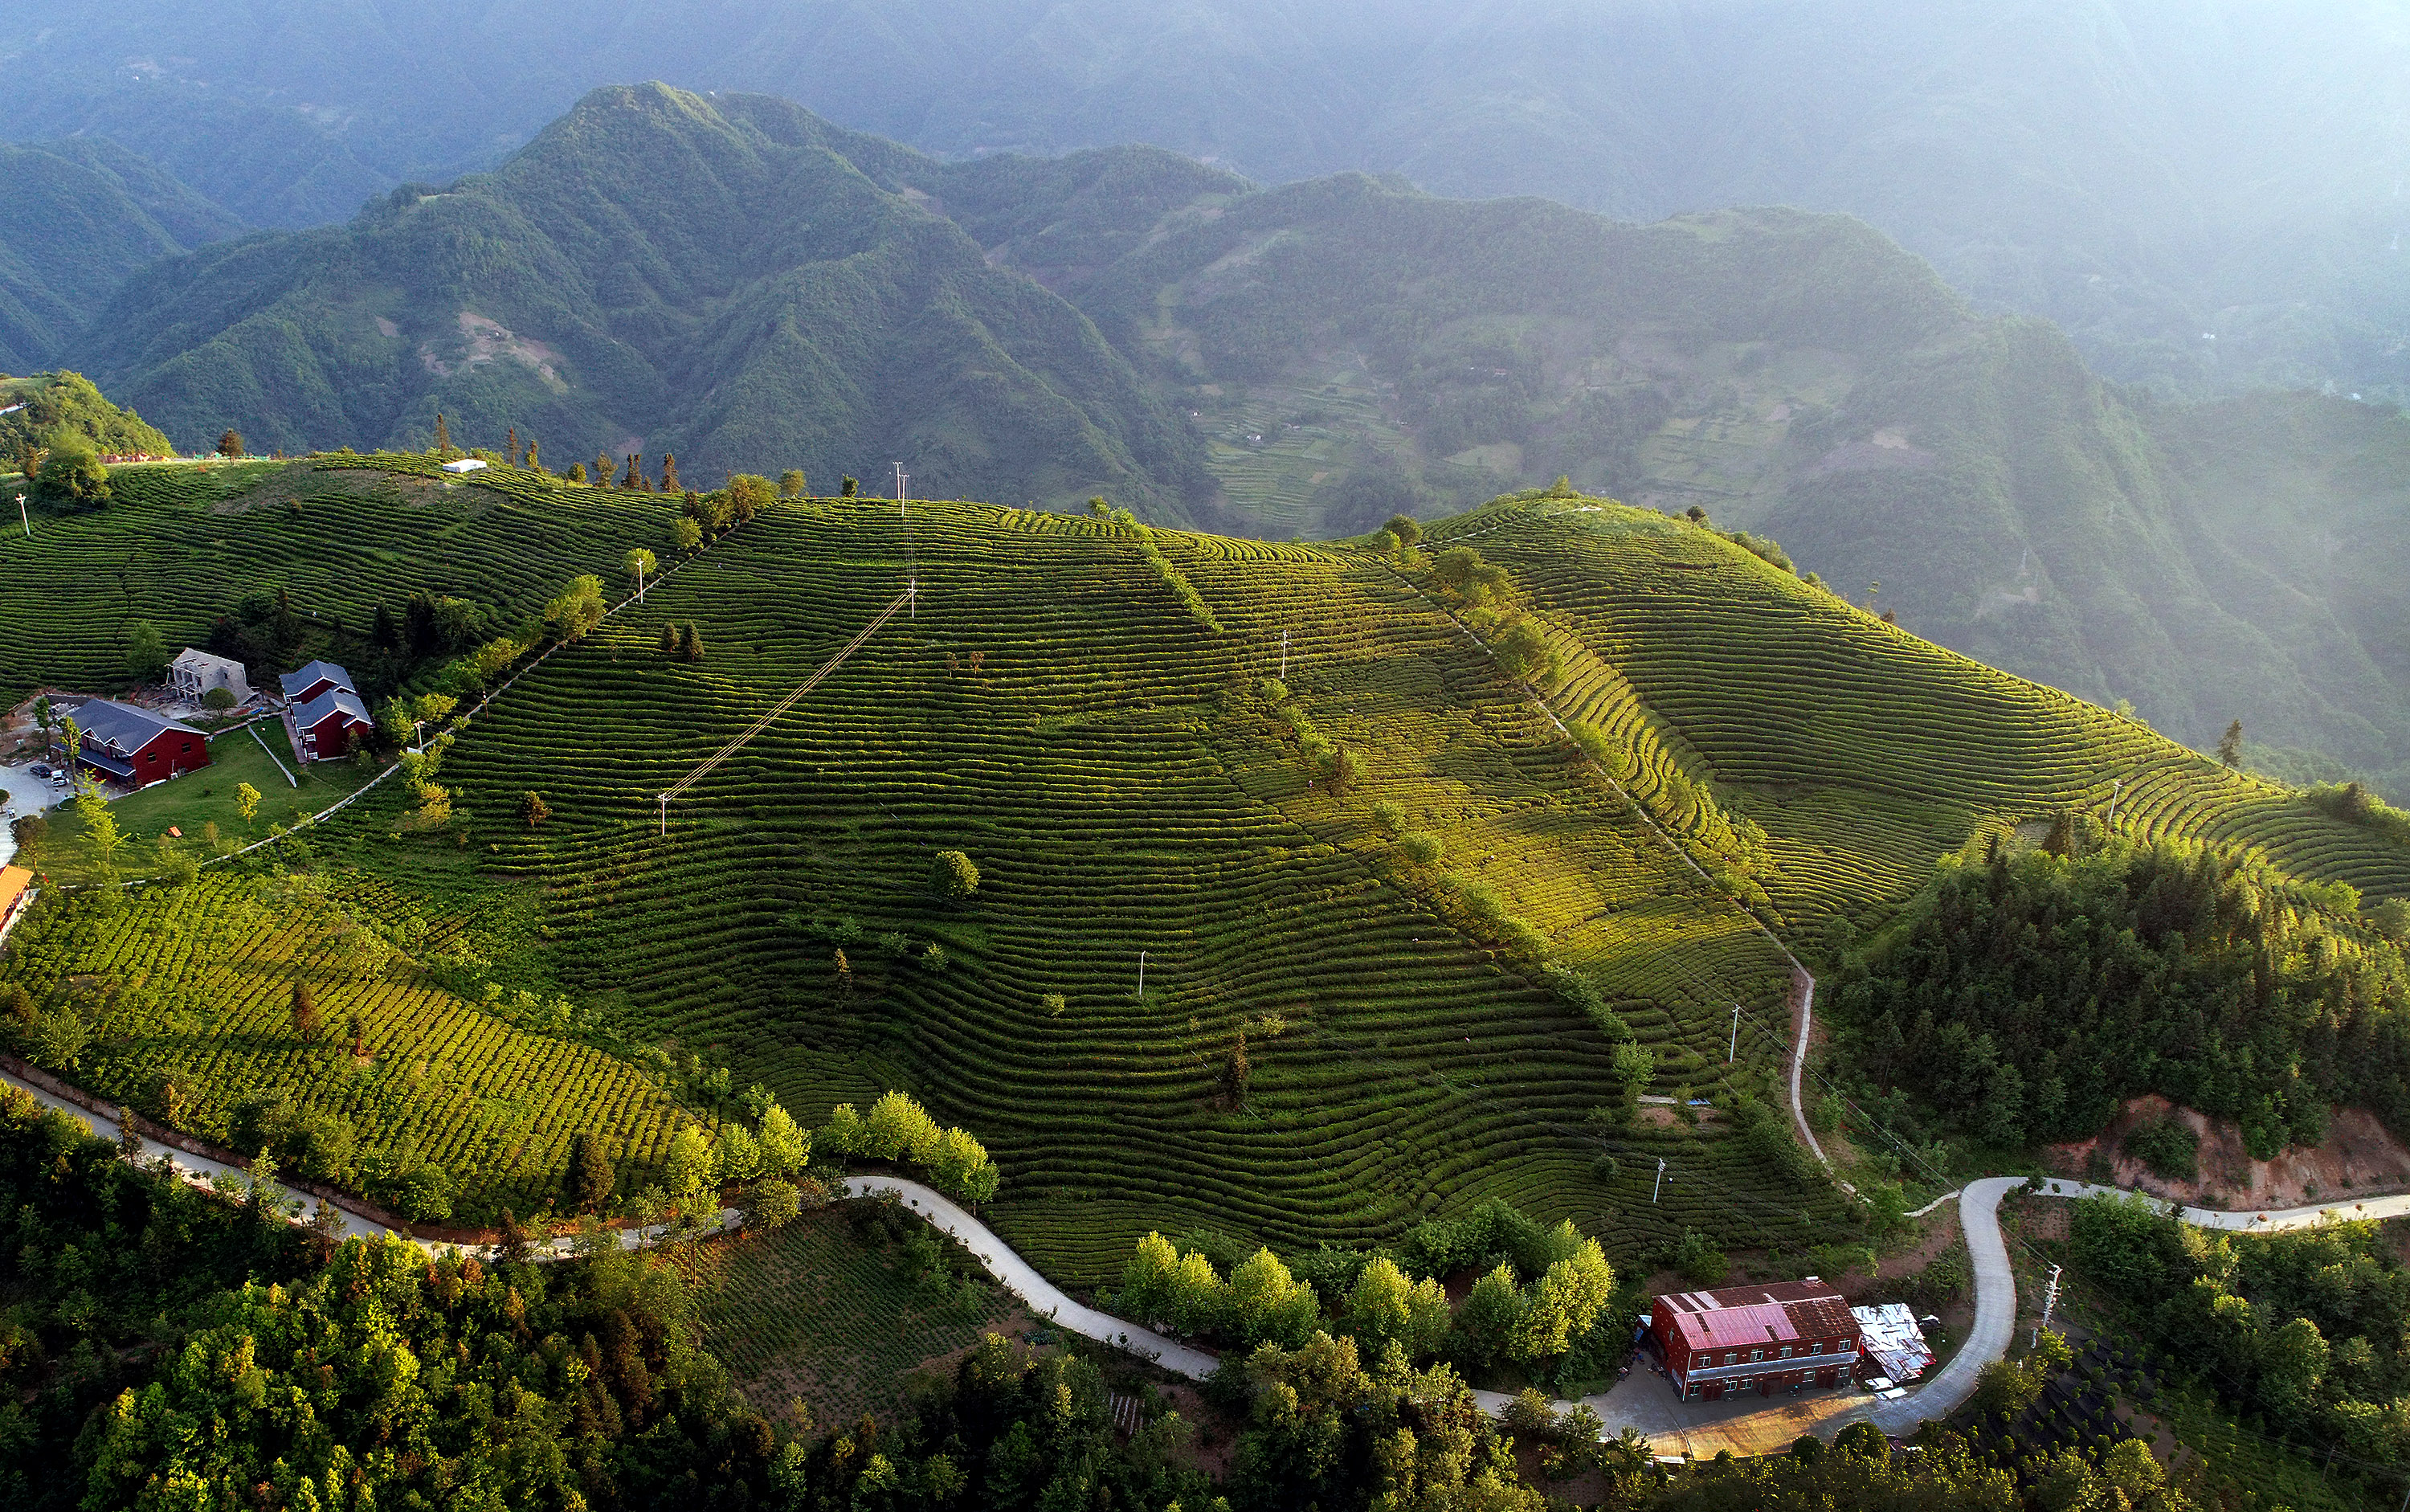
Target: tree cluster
898 1129
2032 992
1393 1297
2310 1327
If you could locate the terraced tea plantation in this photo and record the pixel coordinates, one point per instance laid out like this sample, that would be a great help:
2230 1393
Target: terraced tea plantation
185 545
837 1315
186 998
1861 750
1392 918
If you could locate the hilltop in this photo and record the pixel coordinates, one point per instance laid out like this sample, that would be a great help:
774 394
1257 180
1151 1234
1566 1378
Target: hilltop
50 407
1410 946
721 281
2148 173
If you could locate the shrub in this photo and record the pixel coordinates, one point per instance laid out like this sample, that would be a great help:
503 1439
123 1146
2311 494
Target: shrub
2168 1145
952 875
219 699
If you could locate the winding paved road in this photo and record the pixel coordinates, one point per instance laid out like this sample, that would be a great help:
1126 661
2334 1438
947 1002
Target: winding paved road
1642 1402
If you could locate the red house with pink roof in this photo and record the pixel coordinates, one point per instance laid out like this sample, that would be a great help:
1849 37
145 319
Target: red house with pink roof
1791 1335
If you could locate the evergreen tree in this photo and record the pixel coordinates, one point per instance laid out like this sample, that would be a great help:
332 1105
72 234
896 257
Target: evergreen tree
636 474
305 1011
671 641
852 487
443 436
669 472
2230 745
533 808
603 469
511 446
230 444
693 644
534 463
590 1177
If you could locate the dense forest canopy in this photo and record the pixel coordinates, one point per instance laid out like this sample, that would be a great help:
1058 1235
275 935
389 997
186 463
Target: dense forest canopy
2032 992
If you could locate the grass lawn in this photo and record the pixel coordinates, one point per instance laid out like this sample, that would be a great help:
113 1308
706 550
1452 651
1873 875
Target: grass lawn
198 799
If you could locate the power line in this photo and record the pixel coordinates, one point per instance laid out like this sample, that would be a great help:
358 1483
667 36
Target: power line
782 707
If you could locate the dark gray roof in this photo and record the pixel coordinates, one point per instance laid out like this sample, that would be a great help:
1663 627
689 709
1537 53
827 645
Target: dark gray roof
333 699
107 724
296 683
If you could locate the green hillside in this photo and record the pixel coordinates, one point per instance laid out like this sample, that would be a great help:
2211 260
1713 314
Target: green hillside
1304 361
1350 348
82 214
2146 172
1431 915
47 408
782 308
185 547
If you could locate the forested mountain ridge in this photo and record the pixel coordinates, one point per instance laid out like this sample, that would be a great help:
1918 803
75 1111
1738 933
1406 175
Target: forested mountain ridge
1309 359
81 215
660 274
2205 192
1352 347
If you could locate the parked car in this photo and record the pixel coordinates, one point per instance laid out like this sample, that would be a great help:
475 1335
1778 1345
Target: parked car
40 769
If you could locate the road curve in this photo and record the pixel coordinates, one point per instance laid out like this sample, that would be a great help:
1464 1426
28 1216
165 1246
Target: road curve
1979 1214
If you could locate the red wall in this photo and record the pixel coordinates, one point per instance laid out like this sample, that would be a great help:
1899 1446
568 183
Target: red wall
331 736
173 751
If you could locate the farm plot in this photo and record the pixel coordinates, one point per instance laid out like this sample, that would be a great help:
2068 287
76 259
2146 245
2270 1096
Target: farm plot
1115 772
836 1313
184 546
186 996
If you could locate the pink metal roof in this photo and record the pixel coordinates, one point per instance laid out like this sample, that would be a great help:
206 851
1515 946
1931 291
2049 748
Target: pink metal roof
1728 1328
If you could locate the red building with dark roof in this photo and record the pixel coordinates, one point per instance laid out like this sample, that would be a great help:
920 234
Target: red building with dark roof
1789 1334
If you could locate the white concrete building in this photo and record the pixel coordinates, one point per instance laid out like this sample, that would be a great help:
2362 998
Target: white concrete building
195 672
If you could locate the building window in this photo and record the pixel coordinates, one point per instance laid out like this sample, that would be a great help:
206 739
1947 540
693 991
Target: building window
1783 1353
1757 1354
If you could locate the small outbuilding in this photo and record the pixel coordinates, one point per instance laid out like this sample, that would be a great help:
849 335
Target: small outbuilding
195 673
126 744
466 464
330 723
312 679
1890 1336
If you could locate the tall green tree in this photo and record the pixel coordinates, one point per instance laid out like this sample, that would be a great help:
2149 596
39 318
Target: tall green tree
146 653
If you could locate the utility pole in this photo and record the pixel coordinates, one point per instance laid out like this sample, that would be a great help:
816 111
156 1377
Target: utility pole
1733 1050
911 570
2115 789
1284 671
1141 973
21 519
1661 1181
2049 1300
665 816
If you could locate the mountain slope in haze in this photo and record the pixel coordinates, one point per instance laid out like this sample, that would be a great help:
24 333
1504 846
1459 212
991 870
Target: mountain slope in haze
2205 192
81 215
739 283
1352 347
657 273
